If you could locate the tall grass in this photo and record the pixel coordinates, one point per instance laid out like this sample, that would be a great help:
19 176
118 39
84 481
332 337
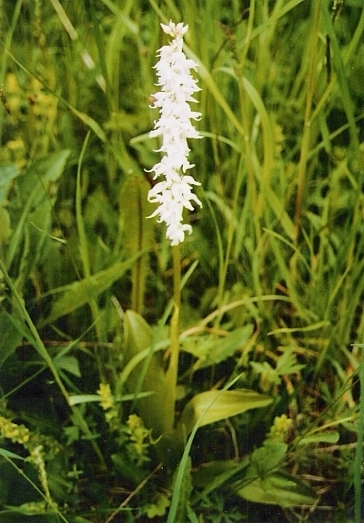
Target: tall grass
272 277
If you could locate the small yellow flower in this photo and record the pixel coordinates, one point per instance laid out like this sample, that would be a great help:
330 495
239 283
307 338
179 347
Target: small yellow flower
107 402
138 433
281 425
106 397
134 422
16 433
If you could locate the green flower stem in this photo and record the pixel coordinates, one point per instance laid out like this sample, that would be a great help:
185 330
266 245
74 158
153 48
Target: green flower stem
172 373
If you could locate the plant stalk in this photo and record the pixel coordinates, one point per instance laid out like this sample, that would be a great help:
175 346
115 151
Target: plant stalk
359 448
172 372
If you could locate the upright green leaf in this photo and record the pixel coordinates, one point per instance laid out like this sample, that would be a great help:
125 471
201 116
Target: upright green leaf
8 173
38 182
5 229
137 231
10 336
78 293
156 410
37 190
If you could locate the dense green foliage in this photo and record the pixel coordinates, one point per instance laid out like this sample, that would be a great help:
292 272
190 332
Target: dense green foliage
265 419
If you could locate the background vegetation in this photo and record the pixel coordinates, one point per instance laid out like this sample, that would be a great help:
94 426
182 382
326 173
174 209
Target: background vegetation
268 422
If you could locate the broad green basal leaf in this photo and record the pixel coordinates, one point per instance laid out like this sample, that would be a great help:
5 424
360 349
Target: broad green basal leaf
266 482
277 488
216 405
325 437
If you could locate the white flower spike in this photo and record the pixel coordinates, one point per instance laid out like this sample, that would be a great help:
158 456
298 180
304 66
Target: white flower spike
174 193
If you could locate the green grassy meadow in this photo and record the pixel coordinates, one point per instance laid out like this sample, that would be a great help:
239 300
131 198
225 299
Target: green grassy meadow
221 381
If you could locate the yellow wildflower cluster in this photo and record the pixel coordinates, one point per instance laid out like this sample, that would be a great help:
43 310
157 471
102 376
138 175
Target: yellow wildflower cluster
16 151
281 426
36 457
158 508
106 397
22 435
107 402
137 434
33 100
16 433
31 121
